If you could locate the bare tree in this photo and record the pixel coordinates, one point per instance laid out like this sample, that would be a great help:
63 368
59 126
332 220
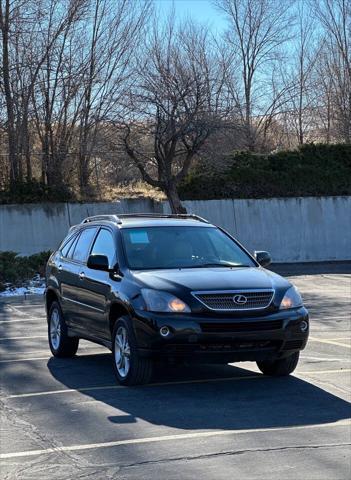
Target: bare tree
176 106
335 18
18 21
298 75
114 39
257 30
5 21
55 99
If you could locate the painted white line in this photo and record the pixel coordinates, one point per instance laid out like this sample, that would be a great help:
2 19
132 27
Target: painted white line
23 305
15 309
25 320
166 438
32 359
316 372
22 338
120 387
56 392
49 355
82 351
161 384
326 359
336 339
331 342
26 352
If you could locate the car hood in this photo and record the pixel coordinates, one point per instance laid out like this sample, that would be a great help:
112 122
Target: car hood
193 279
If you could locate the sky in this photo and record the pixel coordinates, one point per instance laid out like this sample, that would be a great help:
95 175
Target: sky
201 10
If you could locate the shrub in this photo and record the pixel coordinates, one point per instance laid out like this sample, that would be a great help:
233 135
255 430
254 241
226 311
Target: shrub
312 170
15 269
33 191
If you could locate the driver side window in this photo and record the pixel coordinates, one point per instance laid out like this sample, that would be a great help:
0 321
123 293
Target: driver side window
105 245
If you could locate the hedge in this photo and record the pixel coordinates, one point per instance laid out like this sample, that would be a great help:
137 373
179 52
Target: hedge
312 170
33 191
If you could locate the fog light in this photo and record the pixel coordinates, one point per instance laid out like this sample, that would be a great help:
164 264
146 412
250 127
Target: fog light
164 331
304 326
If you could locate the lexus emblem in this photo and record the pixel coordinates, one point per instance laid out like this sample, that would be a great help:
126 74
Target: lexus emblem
239 299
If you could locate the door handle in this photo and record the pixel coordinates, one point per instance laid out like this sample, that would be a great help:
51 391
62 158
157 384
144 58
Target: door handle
82 275
59 267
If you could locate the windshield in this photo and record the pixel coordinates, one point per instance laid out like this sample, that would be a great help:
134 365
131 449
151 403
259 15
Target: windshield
182 247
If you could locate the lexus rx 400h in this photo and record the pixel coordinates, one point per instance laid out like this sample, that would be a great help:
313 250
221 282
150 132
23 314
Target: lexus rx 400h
175 287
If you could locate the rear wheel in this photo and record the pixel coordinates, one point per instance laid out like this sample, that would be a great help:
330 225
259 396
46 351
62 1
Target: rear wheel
130 368
61 345
280 367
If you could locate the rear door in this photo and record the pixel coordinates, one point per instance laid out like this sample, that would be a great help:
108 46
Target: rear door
66 273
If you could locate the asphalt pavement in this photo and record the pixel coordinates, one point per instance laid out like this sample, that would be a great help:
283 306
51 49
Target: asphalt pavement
68 419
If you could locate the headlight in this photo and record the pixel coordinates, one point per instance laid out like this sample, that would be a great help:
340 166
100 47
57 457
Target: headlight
163 302
292 299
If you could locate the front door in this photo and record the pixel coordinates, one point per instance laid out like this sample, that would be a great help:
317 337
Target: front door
97 286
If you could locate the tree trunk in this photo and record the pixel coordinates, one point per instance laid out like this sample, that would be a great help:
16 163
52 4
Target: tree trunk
11 134
173 199
83 169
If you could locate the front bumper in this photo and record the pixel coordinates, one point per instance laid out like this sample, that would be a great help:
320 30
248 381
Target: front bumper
221 338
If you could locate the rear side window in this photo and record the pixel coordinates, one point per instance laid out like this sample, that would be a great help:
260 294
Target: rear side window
104 245
83 245
72 247
67 246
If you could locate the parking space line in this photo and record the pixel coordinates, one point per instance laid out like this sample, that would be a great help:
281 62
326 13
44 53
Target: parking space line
336 339
29 352
331 342
23 338
119 387
314 372
48 356
20 312
160 384
32 359
86 350
27 319
167 438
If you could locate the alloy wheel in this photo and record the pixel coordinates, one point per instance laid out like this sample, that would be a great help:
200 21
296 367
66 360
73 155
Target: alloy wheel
55 328
122 352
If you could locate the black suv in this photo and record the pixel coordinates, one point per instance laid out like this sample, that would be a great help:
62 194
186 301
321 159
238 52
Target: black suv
174 287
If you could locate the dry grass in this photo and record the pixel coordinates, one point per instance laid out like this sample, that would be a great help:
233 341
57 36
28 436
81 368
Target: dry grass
133 190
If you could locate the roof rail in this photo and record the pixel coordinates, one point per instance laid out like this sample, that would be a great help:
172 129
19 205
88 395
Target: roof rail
106 218
118 218
163 215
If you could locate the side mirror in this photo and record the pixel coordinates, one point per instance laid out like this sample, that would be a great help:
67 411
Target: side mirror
263 258
98 262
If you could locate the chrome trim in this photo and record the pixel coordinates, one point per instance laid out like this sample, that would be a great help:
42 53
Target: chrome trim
83 304
220 292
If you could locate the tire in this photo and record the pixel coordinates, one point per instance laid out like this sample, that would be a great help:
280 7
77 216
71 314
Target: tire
61 345
281 367
129 367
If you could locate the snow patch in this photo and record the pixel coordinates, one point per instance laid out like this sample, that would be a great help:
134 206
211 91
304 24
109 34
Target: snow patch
34 286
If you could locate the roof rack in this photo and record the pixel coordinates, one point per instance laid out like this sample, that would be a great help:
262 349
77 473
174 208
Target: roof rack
163 215
106 218
118 218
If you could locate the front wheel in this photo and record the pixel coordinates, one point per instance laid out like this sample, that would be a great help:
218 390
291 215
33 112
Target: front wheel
280 367
61 345
130 368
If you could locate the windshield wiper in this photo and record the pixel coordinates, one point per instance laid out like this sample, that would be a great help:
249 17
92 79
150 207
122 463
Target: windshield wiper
229 265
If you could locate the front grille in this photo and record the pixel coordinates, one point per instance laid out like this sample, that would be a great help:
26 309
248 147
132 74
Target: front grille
236 300
217 327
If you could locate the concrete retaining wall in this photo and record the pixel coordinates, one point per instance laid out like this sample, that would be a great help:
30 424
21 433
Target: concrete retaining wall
292 230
